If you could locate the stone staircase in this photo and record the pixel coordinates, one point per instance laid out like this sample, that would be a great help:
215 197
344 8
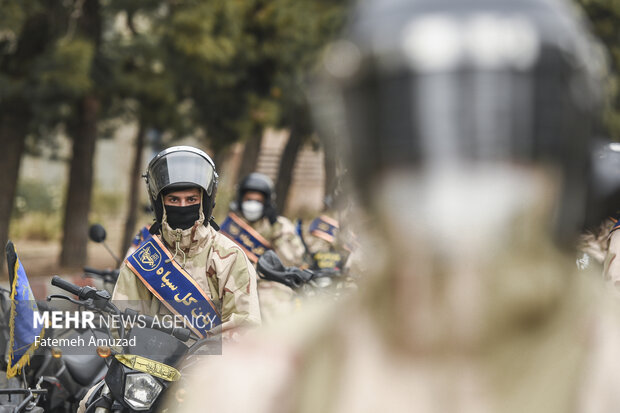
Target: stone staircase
306 194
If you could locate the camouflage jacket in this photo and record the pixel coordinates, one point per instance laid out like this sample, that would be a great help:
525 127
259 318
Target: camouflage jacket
544 340
218 266
283 238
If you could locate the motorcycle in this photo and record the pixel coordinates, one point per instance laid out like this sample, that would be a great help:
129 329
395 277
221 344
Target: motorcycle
328 282
97 233
134 382
16 395
65 373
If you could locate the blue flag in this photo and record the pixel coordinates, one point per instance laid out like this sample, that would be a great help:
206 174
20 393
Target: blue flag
21 322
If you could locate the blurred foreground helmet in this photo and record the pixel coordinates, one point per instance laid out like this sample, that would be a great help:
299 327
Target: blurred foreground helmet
181 167
605 181
425 84
256 182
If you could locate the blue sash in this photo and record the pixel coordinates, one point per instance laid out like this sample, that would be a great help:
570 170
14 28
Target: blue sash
152 263
251 242
141 236
325 228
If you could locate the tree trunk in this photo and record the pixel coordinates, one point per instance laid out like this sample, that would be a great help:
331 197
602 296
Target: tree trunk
251 151
329 164
287 164
77 207
220 158
134 190
12 141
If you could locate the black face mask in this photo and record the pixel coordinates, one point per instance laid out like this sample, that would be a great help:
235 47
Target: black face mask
182 217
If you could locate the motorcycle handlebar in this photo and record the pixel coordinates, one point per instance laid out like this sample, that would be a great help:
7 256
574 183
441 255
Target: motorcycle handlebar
92 270
180 333
66 285
105 274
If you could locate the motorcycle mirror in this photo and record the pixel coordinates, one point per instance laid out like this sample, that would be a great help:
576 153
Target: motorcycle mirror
96 233
270 263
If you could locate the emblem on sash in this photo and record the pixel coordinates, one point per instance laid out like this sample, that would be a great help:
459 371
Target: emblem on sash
173 286
251 242
149 258
141 236
616 225
325 228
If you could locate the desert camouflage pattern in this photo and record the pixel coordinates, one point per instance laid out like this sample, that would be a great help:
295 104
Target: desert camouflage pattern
217 264
611 265
593 245
345 243
528 333
316 244
283 238
277 299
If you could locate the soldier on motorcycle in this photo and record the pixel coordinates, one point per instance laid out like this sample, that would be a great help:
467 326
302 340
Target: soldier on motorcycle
182 184
254 224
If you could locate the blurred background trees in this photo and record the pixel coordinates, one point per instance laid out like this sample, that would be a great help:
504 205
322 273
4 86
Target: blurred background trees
604 16
73 72
222 71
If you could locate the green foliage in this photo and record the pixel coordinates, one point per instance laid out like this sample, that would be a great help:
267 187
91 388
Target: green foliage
243 64
605 18
36 196
227 67
65 70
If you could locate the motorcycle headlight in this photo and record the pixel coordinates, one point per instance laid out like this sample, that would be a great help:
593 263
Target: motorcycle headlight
141 391
323 282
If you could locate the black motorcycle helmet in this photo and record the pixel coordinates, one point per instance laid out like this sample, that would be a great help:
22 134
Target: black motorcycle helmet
177 168
420 82
259 183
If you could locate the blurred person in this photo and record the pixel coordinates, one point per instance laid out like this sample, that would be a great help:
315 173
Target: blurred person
332 248
593 245
467 126
254 224
601 246
254 214
182 184
329 241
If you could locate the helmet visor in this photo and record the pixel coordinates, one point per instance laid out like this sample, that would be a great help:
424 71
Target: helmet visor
183 169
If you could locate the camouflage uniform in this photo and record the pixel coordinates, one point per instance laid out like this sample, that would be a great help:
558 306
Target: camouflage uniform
283 238
611 265
344 243
219 267
277 299
542 342
473 308
593 245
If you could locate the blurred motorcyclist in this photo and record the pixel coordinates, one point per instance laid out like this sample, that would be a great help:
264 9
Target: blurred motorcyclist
254 224
602 245
255 207
329 241
467 126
